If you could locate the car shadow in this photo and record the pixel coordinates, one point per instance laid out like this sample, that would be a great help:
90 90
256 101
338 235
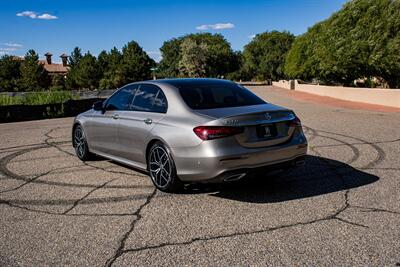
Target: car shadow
318 176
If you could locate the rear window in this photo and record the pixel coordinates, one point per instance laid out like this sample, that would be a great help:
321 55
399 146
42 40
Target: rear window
211 96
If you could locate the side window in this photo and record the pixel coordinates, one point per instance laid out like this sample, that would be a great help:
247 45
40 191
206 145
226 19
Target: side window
149 98
121 99
160 103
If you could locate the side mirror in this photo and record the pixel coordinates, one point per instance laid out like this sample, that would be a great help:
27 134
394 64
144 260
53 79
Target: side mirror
98 106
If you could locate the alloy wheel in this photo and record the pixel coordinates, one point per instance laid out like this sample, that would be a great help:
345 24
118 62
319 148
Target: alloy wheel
160 166
79 142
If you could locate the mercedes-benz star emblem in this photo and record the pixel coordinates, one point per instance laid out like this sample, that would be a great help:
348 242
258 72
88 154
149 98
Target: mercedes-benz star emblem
268 116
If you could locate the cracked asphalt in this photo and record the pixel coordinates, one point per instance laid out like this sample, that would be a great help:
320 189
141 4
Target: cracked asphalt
342 208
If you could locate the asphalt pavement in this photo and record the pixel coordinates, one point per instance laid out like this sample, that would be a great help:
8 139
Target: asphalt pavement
341 208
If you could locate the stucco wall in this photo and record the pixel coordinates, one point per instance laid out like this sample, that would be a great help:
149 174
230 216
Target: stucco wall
385 97
283 84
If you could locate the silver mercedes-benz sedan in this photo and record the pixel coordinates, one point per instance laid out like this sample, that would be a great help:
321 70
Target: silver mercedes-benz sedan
190 130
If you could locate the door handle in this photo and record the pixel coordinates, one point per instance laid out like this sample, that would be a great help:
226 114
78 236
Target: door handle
115 116
148 121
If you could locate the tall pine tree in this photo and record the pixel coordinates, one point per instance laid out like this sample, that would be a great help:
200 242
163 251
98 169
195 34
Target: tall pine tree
33 75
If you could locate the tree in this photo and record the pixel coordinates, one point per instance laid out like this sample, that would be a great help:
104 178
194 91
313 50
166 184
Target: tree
361 40
87 72
136 64
169 64
301 60
220 59
220 56
103 61
72 76
33 75
385 33
75 57
57 83
264 56
193 62
9 73
239 73
111 68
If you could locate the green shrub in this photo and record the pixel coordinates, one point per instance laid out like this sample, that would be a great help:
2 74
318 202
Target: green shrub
361 40
37 98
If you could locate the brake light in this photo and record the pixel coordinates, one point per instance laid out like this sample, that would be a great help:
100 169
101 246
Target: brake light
295 122
214 132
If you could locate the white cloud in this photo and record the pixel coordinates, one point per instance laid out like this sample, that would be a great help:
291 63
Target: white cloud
34 15
252 36
202 27
217 26
156 55
47 16
12 45
7 50
153 52
30 14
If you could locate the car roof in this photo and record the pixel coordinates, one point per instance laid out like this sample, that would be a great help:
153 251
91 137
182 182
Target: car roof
181 82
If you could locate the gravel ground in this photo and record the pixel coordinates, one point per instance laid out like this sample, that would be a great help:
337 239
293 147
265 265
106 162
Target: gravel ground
342 208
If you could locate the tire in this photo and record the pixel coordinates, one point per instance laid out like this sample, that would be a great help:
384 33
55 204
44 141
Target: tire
80 144
162 170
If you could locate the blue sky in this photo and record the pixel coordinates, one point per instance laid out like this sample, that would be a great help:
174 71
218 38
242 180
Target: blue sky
58 26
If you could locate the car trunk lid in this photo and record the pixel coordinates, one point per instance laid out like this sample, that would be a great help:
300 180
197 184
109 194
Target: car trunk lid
264 125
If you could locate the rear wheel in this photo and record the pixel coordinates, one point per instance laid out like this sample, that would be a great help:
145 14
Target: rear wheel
80 144
162 169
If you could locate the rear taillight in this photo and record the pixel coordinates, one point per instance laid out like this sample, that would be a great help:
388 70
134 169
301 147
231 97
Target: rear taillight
295 122
214 132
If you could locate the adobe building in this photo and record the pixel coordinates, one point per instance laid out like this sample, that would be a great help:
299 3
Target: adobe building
55 68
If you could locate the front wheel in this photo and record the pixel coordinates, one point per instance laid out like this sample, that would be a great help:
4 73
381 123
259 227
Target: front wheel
80 144
162 169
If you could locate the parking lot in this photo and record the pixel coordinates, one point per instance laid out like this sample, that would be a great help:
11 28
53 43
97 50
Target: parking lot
341 208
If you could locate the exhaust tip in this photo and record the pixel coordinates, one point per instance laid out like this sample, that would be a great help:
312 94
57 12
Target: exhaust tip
235 177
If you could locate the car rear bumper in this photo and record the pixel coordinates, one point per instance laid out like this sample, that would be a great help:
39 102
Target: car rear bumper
237 174
218 159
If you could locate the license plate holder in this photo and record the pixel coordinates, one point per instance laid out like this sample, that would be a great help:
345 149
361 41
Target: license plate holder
266 131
